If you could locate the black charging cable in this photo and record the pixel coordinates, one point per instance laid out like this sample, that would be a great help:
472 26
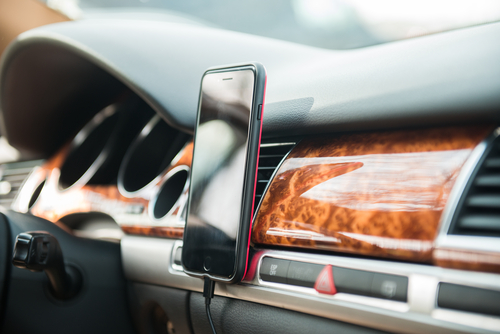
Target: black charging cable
208 293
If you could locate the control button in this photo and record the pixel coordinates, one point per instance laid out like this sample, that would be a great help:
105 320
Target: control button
178 256
357 282
259 112
274 270
469 299
390 287
325 283
303 274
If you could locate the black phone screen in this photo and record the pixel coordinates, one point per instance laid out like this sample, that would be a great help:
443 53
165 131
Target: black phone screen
218 173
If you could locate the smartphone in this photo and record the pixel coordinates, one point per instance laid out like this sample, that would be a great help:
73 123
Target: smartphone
224 172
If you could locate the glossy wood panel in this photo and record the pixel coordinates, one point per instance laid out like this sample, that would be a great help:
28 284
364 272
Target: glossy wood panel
155 231
375 194
467 260
378 194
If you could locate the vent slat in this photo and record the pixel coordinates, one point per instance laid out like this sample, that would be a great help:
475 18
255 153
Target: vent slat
484 201
20 171
5 201
492 163
16 184
268 156
481 222
488 181
14 178
15 174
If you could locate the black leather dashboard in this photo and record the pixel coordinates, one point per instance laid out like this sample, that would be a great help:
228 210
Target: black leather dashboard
421 81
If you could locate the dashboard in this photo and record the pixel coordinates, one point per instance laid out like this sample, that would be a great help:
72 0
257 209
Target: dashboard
378 170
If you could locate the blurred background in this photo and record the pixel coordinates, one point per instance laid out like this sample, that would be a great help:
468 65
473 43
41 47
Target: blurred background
329 24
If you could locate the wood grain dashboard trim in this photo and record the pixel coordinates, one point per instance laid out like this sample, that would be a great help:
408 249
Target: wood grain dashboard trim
374 194
467 260
170 232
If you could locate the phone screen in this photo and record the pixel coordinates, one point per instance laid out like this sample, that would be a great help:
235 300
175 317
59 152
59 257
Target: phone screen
218 173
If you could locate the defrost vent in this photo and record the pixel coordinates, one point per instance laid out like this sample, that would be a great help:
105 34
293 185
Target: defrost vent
478 212
12 176
270 157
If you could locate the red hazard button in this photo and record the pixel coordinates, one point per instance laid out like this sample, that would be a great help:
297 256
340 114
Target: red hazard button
324 282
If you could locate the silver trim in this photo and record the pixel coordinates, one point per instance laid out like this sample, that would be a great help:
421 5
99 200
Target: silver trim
277 144
444 241
293 144
176 268
468 319
469 243
149 260
180 200
375 302
82 135
461 182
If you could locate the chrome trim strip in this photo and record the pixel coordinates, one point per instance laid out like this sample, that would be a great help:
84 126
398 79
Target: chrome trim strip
469 243
175 267
358 299
277 144
149 260
468 319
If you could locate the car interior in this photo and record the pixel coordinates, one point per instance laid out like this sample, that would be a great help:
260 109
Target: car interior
377 201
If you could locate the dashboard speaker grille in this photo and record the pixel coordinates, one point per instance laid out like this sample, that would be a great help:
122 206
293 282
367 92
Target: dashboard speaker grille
12 176
270 157
478 212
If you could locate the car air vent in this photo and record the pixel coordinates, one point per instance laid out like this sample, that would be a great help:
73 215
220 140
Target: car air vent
12 176
270 157
478 212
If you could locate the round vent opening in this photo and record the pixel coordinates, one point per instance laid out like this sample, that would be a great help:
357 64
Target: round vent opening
149 155
169 193
88 149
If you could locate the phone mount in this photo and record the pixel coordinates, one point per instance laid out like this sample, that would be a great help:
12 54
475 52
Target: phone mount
40 251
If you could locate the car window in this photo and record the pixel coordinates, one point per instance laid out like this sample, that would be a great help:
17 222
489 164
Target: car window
330 24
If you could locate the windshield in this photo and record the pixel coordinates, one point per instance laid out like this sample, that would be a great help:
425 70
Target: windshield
331 24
